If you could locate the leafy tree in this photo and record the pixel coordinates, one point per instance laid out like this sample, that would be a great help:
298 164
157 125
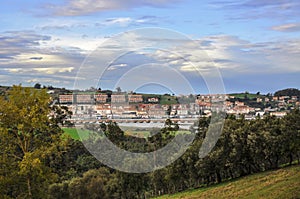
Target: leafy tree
37 86
27 136
118 89
288 92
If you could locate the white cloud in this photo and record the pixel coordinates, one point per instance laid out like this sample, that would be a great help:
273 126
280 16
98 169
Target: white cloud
52 70
232 54
122 21
84 7
291 27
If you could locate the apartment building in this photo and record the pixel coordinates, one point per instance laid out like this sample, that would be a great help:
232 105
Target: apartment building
118 99
66 99
135 98
100 98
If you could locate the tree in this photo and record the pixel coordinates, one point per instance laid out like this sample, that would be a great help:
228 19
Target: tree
27 135
37 86
118 89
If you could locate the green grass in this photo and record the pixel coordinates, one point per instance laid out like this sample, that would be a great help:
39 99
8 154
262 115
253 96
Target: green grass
145 132
167 100
281 183
77 134
83 134
249 95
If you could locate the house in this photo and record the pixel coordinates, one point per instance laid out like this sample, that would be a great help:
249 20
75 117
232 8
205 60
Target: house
50 92
294 98
157 111
260 113
282 98
278 114
153 100
267 99
183 109
241 110
237 103
84 109
103 109
135 98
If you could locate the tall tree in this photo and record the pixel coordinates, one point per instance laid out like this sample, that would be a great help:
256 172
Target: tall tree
27 134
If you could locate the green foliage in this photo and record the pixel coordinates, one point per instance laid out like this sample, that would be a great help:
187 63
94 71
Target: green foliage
27 137
167 100
288 92
38 162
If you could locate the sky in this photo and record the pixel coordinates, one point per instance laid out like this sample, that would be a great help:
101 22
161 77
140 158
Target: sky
175 46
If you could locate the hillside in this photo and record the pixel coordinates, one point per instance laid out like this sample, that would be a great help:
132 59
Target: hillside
288 92
282 183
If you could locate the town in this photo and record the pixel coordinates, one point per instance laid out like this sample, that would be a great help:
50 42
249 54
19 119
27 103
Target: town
103 105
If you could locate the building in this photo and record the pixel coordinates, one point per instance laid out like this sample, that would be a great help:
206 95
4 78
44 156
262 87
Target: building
103 109
156 111
66 99
259 100
84 98
237 103
118 99
100 98
278 114
294 98
153 100
135 98
241 110
267 99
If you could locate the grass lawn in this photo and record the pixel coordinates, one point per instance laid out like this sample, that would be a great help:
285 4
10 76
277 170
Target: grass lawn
77 134
281 183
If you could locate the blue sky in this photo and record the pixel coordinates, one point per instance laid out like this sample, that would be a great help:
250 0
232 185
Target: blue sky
254 45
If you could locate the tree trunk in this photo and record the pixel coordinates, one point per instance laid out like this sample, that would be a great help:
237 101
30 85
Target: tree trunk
291 158
218 175
29 188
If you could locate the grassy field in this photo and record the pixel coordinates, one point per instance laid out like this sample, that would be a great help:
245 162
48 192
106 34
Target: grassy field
83 134
249 95
283 183
76 134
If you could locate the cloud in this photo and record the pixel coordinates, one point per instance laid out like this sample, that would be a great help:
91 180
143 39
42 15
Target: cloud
291 27
14 43
45 70
36 58
27 55
255 9
128 21
232 55
85 7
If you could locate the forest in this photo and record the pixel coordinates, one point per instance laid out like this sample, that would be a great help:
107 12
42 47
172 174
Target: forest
39 161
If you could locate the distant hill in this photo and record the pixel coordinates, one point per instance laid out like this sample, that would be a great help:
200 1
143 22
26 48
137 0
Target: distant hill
281 183
287 92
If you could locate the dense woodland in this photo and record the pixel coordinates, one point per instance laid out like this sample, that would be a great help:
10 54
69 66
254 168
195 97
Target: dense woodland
38 161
